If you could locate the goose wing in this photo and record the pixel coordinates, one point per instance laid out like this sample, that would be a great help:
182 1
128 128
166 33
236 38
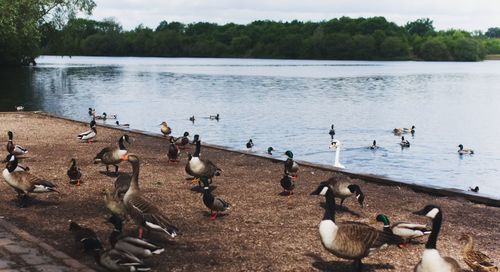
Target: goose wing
104 151
358 238
149 215
210 169
121 185
28 182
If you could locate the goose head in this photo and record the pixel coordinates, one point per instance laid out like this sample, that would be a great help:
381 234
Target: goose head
289 154
190 156
335 144
374 143
8 158
196 138
125 137
360 196
461 146
429 211
186 134
171 140
73 162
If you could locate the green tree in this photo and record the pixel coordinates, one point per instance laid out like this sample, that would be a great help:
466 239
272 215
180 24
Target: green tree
394 48
434 50
493 32
420 27
467 49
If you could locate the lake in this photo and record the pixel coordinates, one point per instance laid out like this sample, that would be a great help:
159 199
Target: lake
290 105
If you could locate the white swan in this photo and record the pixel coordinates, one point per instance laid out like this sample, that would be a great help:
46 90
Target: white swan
336 145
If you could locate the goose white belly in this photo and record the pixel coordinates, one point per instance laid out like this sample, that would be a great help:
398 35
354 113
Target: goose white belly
8 178
432 262
196 165
343 191
328 233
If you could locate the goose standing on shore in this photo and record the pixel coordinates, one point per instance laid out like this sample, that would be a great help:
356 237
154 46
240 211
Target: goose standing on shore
404 142
344 188
198 168
349 240
90 134
165 129
291 166
464 151
215 204
19 168
336 145
74 173
144 213
14 149
112 155
431 260
24 182
476 260
406 231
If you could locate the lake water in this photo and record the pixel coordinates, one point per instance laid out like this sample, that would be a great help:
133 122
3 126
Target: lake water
290 104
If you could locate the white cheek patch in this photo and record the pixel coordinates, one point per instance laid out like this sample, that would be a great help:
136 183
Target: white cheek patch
432 213
357 197
206 188
12 158
323 192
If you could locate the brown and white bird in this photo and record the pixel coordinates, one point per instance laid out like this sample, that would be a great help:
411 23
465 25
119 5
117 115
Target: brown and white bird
165 129
478 261
74 173
198 168
291 166
14 149
112 155
215 204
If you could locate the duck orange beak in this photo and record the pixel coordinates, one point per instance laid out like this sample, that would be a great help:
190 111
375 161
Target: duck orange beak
124 157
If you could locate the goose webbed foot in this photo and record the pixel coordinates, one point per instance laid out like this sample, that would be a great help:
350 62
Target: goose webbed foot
290 193
116 170
22 200
107 169
213 215
196 180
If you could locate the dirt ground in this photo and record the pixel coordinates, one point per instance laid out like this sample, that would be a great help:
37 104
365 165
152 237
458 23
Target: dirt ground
263 231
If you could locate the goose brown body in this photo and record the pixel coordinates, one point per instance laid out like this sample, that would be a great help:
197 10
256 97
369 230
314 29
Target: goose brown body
343 188
112 155
478 261
198 168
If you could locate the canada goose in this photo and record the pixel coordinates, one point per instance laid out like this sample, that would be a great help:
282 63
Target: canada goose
24 182
332 132
404 142
90 134
462 151
117 260
348 240
19 168
288 184
216 204
476 260
182 141
406 231
475 189
14 149
291 166
270 150
173 151
104 116
336 145
111 155
344 188
165 129
249 144
143 212
214 117
399 131
431 259
74 173
374 145
198 168
114 205
85 237
122 125
122 183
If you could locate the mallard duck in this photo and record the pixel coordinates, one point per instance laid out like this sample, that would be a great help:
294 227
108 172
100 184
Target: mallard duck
114 205
336 145
121 125
74 173
173 151
291 166
332 132
104 116
214 117
409 130
249 144
344 188
404 142
85 237
90 134
406 231
182 141
91 112
349 240
431 259
270 150
478 261
374 145
14 149
462 151
165 129
111 155
19 168
122 183
117 260
215 204
143 212
288 184
198 168
24 182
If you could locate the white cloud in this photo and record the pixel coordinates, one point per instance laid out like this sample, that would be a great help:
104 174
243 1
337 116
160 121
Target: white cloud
468 15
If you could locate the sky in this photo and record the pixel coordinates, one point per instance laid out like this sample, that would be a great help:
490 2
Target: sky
469 15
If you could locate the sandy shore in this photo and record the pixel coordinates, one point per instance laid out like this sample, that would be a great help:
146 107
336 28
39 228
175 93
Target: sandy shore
263 232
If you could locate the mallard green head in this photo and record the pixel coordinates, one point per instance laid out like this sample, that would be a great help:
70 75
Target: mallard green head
383 218
289 154
269 150
205 182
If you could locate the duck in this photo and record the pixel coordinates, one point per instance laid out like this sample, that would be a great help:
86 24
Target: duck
19 168
464 151
106 116
291 166
192 119
332 132
476 260
117 260
91 112
165 129
374 145
410 130
475 189
90 134
335 144
19 108
121 125
14 149
405 230
215 204
182 141
270 150
214 117
249 144
344 188
404 142
122 183
74 173
198 168
173 151
288 184
85 237
349 240
431 259
111 155
399 131
142 211
25 183
114 205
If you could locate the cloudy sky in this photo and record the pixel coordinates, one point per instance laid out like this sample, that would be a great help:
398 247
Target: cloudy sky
463 14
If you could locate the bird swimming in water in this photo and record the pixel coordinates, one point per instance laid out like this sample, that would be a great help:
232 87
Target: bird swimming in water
404 143
463 151
214 117
250 145
374 145
122 125
332 132
191 119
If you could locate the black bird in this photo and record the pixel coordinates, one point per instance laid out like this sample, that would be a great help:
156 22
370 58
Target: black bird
74 173
196 138
332 132
250 144
214 117
173 151
191 119
475 189
288 184
85 236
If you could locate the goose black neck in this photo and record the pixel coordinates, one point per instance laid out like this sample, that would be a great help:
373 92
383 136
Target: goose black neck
436 226
197 150
12 165
330 206
121 144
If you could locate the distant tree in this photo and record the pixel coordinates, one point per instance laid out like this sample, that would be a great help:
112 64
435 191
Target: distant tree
420 27
493 32
434 50
394 48
467 49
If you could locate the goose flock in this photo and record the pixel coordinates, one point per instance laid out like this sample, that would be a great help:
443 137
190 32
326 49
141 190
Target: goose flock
345 239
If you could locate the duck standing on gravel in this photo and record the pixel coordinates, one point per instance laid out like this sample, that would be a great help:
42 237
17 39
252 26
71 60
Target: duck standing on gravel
90 134
291 166
173 151
24 182
476 260
198 168
288 184
343 188
14 149
112 155
165 129
74 173
215 204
